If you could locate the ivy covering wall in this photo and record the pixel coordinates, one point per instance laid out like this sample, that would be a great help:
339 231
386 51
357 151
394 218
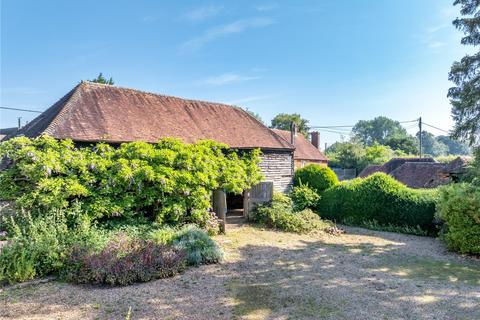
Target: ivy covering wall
169 181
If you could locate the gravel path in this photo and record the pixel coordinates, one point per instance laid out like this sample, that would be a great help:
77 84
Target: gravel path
275 275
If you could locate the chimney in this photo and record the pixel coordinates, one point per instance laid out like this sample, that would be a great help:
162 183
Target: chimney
293 132
316 139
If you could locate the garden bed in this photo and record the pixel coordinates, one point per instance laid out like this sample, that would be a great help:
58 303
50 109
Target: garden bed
362 274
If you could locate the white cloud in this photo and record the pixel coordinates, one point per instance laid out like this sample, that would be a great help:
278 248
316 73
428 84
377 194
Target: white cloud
214 33
436 44
434 29
227 78
247 100
266 7
202 13
148 19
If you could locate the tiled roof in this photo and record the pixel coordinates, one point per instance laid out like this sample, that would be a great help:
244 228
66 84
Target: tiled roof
304 149
96 112
421 174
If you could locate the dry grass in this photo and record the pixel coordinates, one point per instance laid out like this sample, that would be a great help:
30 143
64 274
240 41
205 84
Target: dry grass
275 275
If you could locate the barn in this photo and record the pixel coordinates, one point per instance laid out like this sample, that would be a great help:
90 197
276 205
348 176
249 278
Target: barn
93 112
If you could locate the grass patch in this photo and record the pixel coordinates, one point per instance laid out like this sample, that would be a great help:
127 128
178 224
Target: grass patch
374 225
261 301
432 270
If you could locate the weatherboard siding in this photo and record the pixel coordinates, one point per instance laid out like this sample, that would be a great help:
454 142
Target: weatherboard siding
277 167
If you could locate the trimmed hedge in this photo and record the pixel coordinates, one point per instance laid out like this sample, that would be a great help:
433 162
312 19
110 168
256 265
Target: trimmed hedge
316 177
379 198
459 208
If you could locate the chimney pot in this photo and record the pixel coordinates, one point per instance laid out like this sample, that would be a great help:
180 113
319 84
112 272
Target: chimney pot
293 132
316 139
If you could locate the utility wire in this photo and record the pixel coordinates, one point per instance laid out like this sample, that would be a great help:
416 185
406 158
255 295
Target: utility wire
351 126
435 127
17 109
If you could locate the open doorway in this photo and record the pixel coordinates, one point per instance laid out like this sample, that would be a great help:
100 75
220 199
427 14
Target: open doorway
235 216
234 203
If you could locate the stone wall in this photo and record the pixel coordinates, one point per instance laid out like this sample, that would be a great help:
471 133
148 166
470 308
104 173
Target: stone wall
277 167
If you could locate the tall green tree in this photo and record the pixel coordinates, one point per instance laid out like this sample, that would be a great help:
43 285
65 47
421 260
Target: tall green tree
378 130
454 146
347 155
431 146
101 79
407 144
283 121
465 74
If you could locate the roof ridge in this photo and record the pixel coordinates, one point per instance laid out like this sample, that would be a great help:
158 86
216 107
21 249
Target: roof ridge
277 136
160 94
63 109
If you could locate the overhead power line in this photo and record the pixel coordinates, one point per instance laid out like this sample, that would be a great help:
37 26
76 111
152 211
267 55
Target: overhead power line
18 109
435 127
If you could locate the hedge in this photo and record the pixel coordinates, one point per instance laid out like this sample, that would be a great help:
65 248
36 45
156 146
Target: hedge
459 208
317 177
379 198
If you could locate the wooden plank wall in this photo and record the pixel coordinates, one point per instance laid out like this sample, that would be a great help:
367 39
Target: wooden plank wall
278 168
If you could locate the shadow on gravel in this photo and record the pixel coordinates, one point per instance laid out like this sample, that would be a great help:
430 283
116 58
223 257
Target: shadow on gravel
304 279
365 281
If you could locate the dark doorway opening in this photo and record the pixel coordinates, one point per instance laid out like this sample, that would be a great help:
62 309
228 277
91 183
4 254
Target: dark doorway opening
235 210
234 201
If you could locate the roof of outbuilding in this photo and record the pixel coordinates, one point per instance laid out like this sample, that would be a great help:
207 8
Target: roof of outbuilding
371 170
304 149
421 174
93 112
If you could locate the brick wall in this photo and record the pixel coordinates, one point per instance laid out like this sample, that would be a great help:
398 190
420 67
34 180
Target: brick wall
277 167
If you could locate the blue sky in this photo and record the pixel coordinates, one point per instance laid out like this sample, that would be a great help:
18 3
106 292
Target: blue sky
334 62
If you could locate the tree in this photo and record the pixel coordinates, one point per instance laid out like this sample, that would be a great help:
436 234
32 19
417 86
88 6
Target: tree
378 130
378 154
465 74
101 79
431 146
253 114
406 144
283 121
454 146
346 155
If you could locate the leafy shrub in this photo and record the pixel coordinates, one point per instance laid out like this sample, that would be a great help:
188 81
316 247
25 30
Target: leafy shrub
381 198
212 224
169 181
459 208
199 247
316 177
279 214
124 261
164 235
303 197
38 246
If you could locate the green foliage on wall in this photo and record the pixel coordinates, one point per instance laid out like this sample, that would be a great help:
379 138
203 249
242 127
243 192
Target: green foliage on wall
169 181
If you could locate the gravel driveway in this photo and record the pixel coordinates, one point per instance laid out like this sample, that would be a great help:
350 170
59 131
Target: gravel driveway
274 275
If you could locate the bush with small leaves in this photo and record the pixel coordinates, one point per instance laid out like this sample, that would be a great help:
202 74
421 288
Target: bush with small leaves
279 214
317 177
459 208
379 198
199 247
123 261
304 197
